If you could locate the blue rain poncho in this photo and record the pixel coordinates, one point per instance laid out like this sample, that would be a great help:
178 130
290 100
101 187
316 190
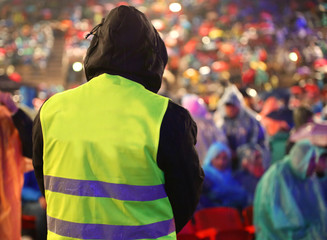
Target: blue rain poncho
288 204
322 177
245 127
247 179
220 188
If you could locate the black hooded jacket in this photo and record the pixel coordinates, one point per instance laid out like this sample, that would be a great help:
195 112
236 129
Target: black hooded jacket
126 44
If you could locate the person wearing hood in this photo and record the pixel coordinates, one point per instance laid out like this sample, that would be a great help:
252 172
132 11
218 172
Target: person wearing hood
252 168
288 201
219 187
114 159
239 123
208 133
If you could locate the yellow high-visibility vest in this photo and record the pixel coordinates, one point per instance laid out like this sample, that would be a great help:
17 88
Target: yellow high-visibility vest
101 177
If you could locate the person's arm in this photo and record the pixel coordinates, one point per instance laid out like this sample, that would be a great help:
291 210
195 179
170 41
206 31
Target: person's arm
179 161
24 125
38 152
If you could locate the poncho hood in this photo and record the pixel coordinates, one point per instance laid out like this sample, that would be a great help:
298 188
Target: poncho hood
300 156
215 149
125 43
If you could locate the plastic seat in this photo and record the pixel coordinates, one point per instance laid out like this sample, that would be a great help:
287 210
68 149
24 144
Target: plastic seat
219 218
247 214
213 234
186 237
28 222
237 234
189 228
29 226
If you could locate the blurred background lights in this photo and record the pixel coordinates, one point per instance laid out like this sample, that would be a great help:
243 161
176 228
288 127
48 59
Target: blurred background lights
16 98
293 56
190 73
10 69
77 66
204 70
252 92
206 40
175 7
174 34
274 81
158 24
268 87
225 75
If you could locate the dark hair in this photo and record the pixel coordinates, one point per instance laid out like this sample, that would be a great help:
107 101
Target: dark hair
301 115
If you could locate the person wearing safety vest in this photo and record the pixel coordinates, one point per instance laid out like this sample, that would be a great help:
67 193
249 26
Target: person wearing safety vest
114 159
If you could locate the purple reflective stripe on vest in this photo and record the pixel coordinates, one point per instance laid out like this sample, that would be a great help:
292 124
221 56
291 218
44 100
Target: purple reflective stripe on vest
115 232
104 189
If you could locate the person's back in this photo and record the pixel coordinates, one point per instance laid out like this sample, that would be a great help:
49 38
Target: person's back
107 150
127 141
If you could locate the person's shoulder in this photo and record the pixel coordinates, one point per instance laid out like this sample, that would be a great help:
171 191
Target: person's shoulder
177 109
64 95
178 112
178 118
275 172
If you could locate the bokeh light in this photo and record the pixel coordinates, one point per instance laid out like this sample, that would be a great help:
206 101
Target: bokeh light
175 7
293 56
77 66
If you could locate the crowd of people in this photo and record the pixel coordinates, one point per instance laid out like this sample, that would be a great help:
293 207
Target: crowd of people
263 44
256 160
249 158
222 56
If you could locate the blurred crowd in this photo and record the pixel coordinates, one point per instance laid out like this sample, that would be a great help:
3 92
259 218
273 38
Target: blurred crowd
273 160
251 73
261 44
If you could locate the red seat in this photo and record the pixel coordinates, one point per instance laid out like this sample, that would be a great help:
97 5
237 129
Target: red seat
247 214
188 228
220 218
213 234
186 237
237 234
220 223
28 222
29 226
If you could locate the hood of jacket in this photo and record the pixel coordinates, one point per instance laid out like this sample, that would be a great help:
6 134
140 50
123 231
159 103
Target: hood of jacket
125 43
300 157
215 149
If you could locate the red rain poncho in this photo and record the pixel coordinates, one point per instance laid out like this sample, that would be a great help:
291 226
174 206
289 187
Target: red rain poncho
11 178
